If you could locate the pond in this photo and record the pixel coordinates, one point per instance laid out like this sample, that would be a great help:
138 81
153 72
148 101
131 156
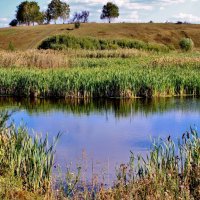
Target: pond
99 134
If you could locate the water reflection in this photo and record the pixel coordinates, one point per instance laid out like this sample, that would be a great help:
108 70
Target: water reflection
119 107
105 131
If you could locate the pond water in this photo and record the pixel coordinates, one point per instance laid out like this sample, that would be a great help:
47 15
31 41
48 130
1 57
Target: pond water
101 133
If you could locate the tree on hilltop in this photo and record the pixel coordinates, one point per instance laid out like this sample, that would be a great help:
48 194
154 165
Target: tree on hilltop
57 9
110 11
81 17
28 12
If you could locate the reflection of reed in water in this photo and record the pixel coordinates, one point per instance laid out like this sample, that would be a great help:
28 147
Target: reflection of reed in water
119 107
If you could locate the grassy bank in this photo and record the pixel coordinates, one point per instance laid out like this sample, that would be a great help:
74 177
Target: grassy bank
24 38
171 170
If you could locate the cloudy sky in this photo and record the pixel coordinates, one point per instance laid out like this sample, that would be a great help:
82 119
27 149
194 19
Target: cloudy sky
130 10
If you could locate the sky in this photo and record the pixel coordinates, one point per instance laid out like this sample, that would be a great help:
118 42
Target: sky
130 10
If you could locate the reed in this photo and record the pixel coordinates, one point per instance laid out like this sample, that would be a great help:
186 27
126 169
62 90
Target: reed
28 158
103 78
171 170
33 59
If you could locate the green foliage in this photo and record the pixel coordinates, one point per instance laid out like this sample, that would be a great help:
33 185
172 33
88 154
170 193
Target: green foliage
29 158
40 18
77 25
71 42
110 11
28 12
14 22
56 9
186 44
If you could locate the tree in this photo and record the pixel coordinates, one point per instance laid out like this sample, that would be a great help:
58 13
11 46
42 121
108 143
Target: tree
56 9
81 17
14 22
110 11
47 16
28 12
65 10
85 16
40 18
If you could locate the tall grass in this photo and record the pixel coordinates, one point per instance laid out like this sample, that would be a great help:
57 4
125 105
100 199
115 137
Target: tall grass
33 59
30 159
103 78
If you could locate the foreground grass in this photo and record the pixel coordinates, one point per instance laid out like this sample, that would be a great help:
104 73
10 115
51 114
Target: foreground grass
170 171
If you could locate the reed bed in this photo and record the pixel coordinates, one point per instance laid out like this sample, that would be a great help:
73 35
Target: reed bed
122 80
30 159
50 59
166 60
171 170
118 53
33 59
126 73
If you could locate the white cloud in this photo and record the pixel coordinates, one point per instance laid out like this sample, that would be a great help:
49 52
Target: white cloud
187 17
3 19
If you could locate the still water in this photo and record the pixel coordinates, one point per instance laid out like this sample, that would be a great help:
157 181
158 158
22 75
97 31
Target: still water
103 132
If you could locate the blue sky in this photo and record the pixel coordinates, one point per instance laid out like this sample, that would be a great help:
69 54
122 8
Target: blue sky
130 10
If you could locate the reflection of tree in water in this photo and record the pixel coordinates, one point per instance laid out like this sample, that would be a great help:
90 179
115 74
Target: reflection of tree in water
119 107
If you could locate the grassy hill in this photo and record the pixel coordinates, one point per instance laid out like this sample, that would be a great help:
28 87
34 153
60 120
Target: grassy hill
30 37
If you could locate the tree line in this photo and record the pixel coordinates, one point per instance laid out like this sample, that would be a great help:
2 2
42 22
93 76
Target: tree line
28 12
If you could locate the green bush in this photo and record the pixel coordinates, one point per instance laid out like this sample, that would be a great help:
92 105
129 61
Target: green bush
70 42
77 25
186 44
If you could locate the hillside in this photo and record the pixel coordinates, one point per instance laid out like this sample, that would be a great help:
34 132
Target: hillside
30 37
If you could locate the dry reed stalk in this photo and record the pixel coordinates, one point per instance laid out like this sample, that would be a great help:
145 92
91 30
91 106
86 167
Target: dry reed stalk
33 58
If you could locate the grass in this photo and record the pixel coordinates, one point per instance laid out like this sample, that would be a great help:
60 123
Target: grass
26 158
171 170
24 38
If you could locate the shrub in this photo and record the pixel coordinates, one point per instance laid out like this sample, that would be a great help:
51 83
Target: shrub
70 42
186 44
77 25
14 22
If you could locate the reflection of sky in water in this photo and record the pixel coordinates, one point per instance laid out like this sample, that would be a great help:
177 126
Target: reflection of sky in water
105 137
